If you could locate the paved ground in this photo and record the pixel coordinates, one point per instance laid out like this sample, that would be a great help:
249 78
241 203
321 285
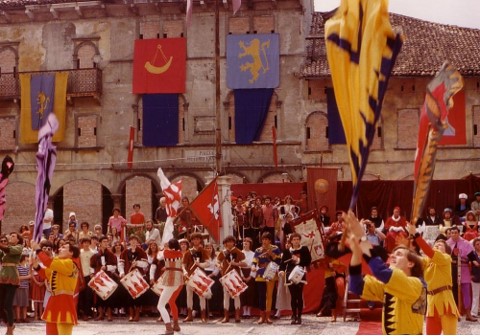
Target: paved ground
312 325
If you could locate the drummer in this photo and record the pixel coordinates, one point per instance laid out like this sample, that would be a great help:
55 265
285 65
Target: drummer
231 258
196 257
106 261
264 255
295 257
134 257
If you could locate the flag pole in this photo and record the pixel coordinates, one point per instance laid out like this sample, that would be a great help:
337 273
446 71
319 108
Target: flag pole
218 121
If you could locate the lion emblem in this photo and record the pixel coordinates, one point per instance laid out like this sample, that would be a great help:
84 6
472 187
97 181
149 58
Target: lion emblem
42 101
256 51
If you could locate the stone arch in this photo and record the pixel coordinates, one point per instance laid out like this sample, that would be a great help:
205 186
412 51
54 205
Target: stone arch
89 199
316 132
86 53
138 188
237 178
8 58
191 184
276 177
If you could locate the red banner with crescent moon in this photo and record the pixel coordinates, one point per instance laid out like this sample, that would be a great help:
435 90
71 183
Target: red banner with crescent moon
159 65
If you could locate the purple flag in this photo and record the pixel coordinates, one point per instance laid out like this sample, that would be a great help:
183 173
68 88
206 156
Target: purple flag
46 159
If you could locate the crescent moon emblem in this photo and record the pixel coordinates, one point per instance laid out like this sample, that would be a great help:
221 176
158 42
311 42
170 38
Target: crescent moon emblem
158 70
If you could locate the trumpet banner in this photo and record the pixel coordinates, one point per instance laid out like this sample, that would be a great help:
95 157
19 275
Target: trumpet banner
361 51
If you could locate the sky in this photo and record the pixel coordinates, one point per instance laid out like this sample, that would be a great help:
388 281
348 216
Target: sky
463 13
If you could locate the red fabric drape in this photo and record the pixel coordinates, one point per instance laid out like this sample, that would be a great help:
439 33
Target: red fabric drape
388 194
271 189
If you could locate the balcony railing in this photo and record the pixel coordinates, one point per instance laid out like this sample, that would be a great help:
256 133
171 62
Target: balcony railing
81 83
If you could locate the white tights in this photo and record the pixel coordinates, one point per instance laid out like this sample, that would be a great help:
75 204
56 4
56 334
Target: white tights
167 293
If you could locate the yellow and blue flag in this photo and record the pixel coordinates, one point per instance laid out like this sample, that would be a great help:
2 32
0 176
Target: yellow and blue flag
42 94
253 61
361 51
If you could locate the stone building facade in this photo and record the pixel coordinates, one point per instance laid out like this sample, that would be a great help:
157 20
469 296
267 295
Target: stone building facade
426 46
94 41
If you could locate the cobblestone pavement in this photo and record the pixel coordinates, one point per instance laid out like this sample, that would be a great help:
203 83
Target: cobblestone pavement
312 325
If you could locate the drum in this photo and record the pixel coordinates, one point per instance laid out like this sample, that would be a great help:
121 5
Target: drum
296 275
201 283
157 287
102 285
134 283
270 271
233 283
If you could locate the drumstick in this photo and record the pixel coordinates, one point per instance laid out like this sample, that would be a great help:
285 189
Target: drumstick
229 265
194 264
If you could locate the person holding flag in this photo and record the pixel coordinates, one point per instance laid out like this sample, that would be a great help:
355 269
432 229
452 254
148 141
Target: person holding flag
173 196
62 273
442 313
361 52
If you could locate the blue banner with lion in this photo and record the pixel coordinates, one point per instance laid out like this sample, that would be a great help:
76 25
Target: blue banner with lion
253 61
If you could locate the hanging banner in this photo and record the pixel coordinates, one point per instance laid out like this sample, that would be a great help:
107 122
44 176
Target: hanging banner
159 65
253 61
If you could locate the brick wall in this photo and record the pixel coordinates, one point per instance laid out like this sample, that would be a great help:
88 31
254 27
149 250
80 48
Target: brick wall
86 132
173 28
239 25
264 24
7 133
84 197
138 190
7 61
20 205
316 132
407 128
150 29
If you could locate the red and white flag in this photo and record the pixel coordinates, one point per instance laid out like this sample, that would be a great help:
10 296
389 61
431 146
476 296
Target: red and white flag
206 208
173 198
